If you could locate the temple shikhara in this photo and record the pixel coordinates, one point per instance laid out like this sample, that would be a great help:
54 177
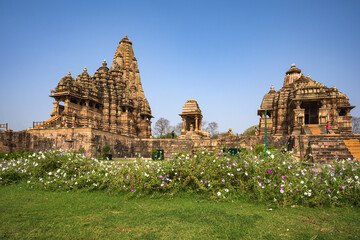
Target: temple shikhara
112 100
303 106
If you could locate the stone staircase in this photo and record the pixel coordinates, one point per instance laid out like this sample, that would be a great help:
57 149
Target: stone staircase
324 148
353 145
314 129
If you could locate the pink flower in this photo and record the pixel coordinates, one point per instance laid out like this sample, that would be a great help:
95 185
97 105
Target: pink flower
329 190
319 184
131 189
269 171
343 187
223 180
283 177
127 177
281 190
260 184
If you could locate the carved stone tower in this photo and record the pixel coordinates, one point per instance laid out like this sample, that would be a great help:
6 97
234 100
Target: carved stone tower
112 100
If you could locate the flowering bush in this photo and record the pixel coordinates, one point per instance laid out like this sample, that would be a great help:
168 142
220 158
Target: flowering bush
277 178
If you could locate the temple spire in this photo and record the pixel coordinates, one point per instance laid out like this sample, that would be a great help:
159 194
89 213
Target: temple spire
291 75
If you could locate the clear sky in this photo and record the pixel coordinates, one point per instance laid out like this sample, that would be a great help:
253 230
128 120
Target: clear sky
224 54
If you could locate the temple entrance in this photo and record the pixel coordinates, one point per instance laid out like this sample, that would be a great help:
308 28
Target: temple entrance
311 112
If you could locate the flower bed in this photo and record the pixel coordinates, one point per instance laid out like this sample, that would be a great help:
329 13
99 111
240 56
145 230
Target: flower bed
277 179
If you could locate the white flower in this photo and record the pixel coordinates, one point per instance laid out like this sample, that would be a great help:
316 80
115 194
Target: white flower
219 193
238 169
246 173
302 182
50 173
226 190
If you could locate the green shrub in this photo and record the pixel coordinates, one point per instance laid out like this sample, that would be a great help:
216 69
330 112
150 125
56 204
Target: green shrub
259 149
105 151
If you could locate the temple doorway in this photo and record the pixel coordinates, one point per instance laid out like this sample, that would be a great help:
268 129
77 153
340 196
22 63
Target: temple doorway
311 112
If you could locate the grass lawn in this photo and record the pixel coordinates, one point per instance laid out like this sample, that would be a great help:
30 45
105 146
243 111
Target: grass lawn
38 214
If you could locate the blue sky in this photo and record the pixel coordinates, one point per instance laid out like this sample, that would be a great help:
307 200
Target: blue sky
224 54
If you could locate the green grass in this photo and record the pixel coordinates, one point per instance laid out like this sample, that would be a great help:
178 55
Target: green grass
39 214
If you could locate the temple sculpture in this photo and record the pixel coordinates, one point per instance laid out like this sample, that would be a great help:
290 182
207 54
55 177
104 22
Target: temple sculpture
304 106
192 121
112 100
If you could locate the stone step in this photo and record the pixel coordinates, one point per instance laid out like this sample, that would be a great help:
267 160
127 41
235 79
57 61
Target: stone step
314 129
353 146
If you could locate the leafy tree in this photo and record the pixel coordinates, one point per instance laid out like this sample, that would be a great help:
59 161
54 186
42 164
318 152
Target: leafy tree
355 124
162 126
251 131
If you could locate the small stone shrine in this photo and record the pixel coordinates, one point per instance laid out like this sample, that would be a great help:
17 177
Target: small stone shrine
192 121
112 100
304 105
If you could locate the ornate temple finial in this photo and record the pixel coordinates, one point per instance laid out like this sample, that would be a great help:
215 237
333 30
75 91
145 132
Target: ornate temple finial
85 69
293 65
308 76
125 35
104 63
69 74
272 88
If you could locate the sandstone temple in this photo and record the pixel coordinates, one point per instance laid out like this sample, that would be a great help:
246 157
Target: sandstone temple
111 100
304 105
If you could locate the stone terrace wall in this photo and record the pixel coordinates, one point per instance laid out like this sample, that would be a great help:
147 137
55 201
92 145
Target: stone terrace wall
92 140
23 141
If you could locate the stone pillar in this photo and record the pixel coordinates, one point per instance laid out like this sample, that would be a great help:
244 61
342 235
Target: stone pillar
67 102
56 110
196 123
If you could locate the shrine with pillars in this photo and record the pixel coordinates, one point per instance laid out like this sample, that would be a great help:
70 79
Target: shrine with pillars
192 121
304 103
112 100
